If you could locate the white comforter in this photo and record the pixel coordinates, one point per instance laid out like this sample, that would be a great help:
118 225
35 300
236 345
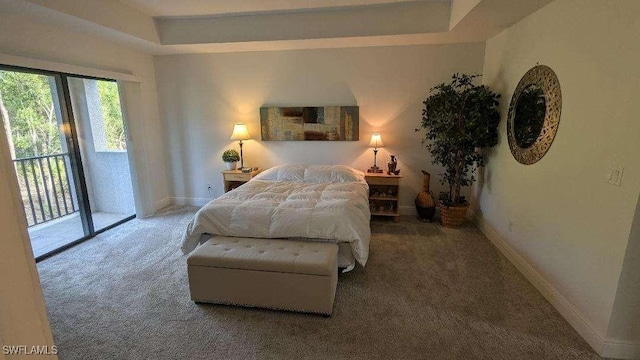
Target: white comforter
335 211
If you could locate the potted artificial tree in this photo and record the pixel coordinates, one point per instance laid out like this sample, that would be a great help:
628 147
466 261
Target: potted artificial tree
460 119
230 158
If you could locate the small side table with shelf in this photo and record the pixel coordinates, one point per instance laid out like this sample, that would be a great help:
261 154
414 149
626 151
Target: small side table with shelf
234 178
383 194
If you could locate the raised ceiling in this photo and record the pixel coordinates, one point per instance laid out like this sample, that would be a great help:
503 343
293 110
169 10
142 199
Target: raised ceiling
170 8
196 26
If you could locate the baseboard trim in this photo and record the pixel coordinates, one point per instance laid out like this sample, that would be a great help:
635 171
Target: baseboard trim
621 350
189 201
160 204
562 305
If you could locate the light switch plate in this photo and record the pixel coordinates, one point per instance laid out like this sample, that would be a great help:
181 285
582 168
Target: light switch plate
614 175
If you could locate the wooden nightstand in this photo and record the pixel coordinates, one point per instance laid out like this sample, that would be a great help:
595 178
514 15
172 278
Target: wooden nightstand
234 178
383 194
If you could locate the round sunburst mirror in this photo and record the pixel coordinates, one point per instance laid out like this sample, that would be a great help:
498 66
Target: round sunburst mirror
534 114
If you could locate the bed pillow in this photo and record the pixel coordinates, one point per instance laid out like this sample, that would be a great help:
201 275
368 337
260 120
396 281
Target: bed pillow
342 173
332 173
312 173
318 173
283 173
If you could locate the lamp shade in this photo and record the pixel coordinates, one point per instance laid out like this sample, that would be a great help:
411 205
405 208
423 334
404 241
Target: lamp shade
240 132
376 141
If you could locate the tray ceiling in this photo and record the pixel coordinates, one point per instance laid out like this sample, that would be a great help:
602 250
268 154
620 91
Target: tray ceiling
196 26
171 8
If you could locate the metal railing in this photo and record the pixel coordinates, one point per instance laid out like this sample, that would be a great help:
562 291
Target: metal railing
45 187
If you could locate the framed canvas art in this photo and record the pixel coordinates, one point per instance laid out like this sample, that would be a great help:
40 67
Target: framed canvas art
326 123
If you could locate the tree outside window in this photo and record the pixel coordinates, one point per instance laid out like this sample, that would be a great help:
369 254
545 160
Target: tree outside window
112 116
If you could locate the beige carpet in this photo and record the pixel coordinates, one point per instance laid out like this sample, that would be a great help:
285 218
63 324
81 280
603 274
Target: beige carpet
426 293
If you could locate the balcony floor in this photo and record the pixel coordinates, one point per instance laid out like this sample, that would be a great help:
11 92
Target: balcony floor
57 233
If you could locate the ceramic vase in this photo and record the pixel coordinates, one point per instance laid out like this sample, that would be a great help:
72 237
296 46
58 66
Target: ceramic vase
425 206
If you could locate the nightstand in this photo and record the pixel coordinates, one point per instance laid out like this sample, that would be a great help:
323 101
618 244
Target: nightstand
383 194
234 178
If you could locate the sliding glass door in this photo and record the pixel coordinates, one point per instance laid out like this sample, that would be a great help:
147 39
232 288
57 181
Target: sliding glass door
32 114
103 149
68 144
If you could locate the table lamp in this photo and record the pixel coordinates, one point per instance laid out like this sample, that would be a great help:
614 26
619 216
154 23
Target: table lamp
375 143
240 133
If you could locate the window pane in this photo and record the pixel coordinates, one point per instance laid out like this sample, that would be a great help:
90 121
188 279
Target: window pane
29 114
112 115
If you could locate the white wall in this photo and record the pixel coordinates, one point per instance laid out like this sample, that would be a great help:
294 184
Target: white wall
625 319
568 223
202 96
23 317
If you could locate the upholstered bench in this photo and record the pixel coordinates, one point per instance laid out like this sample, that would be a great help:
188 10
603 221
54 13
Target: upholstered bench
267 273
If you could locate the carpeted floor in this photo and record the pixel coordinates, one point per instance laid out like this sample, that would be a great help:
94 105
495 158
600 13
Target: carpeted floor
426 293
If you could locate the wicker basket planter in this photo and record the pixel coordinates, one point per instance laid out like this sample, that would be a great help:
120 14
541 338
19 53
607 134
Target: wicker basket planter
452 216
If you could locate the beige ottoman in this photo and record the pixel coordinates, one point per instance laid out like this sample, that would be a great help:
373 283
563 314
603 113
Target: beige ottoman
266 273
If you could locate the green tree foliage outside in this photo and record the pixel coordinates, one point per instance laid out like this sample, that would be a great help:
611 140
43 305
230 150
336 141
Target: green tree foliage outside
28 103
28 114
32 126
112 115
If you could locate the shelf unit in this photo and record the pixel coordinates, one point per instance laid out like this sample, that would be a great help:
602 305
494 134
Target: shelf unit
384 192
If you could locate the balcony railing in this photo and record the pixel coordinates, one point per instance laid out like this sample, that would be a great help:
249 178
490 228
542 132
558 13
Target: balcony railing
45 187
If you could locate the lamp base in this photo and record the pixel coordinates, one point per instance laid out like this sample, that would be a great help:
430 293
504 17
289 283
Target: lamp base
375 169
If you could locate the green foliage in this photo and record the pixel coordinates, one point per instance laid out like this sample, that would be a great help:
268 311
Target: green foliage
32 124
112 115
28 114
230 156
28 101
460 119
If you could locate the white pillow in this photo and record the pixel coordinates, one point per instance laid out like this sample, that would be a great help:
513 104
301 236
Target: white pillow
318 173
332 173
342 173
312 173
283 173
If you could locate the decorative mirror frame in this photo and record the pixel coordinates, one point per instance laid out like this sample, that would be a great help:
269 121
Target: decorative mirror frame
544 77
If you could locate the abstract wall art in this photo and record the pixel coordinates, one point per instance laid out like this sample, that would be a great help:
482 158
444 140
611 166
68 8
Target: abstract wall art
325 123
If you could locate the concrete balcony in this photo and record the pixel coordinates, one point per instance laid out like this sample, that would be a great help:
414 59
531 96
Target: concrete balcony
65 230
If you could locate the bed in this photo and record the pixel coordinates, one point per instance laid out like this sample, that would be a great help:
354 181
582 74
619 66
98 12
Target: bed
299 202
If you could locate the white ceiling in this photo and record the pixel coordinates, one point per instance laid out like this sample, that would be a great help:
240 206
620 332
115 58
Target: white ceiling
197 26
169 8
